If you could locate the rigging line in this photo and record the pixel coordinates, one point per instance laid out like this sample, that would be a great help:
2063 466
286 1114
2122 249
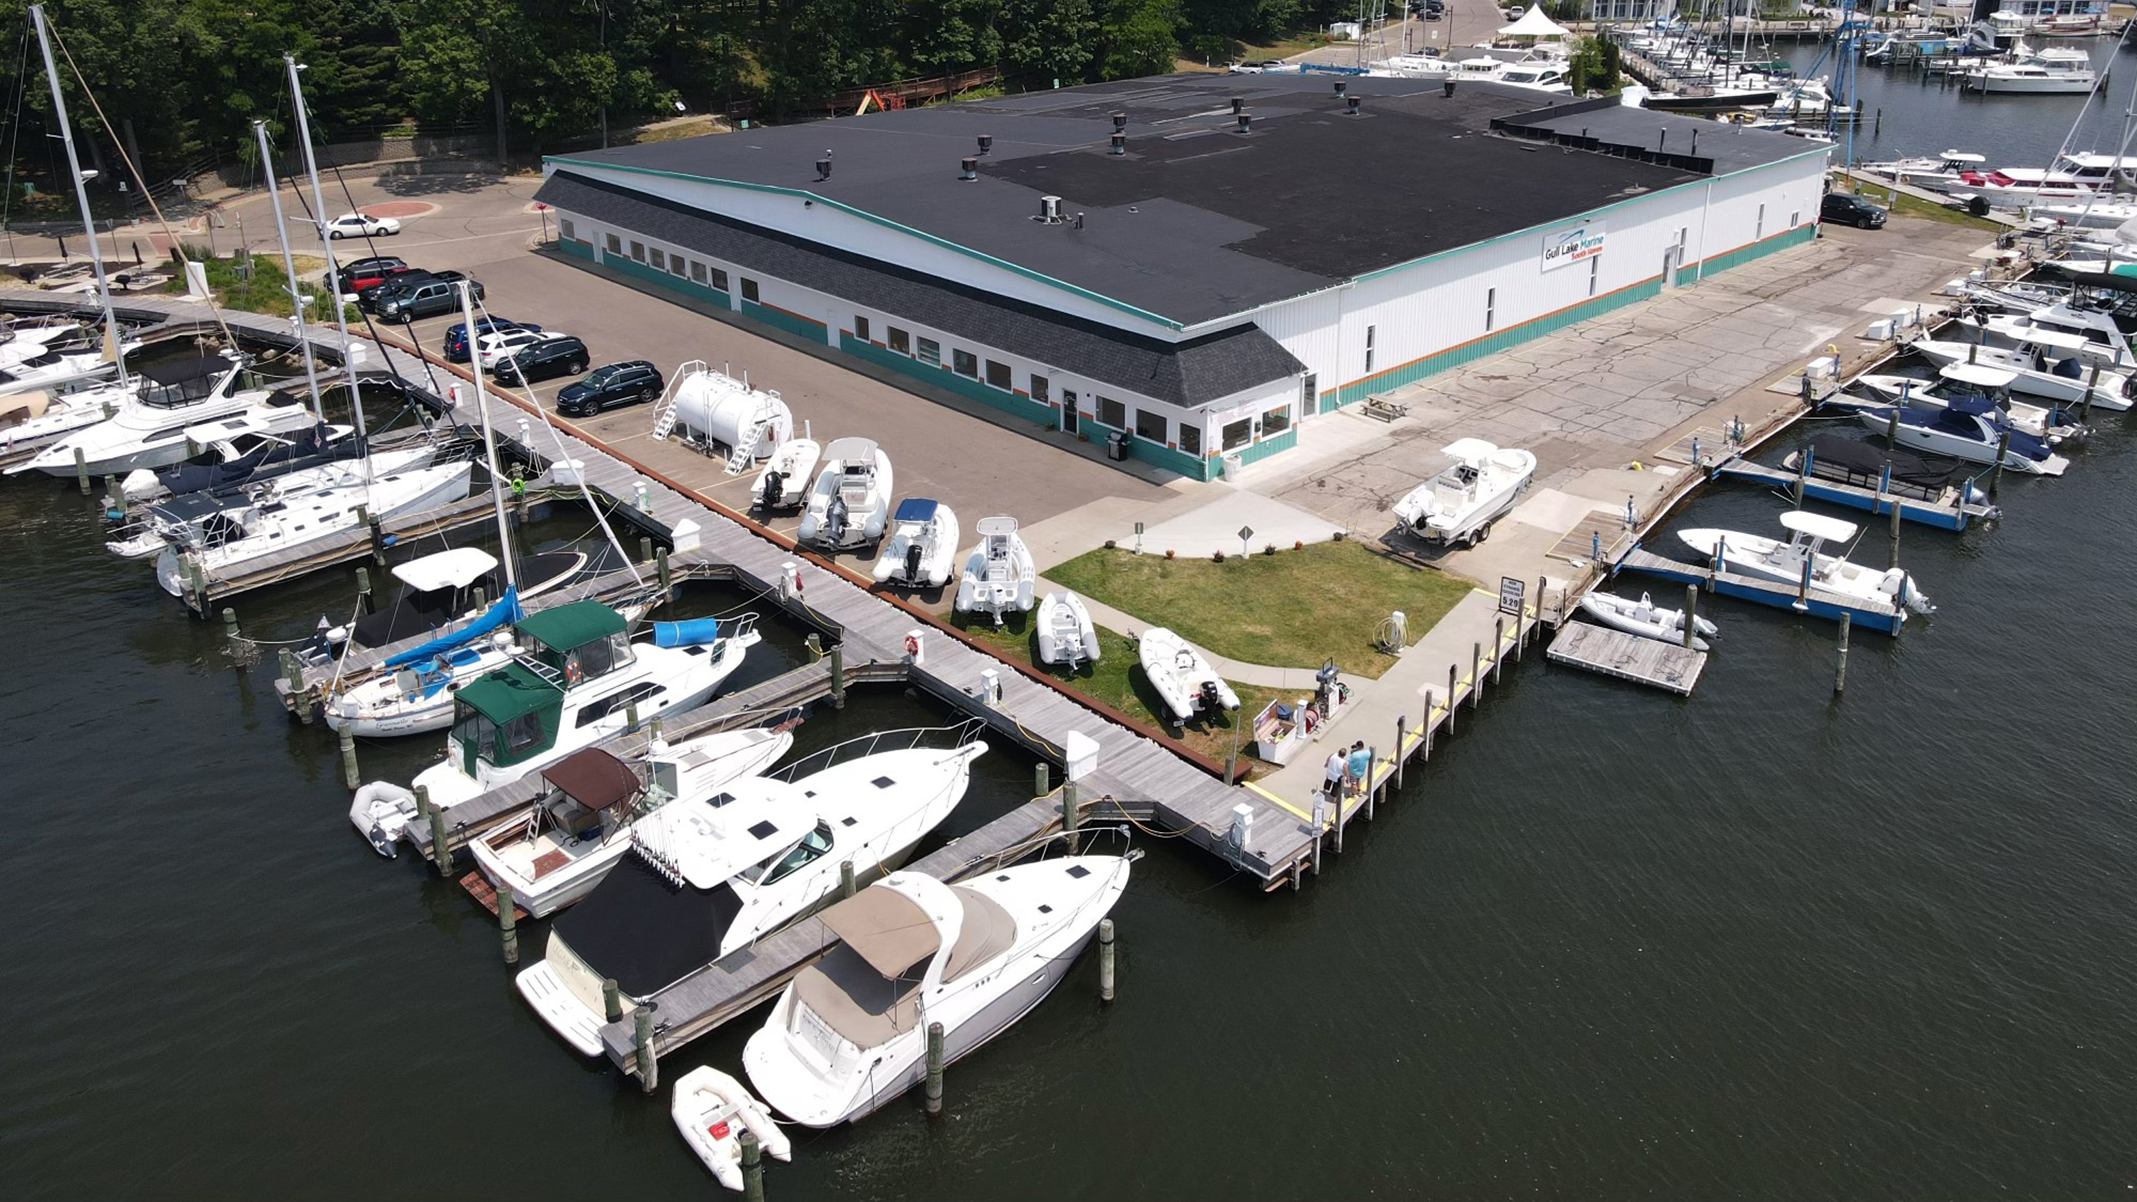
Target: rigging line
134 170
14 137
430 375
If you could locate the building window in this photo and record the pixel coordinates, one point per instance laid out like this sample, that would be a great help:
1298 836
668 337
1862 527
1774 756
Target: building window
1150 425
1309 392
1191 439
1759 231
999 375
1795 218
899 341
1276 421
964 363
930 353
1038 387
1595 272
1238 434
719 279
749 290
1369 332
860 327
1112 413
1491 308
676 264
615 245
566 229
697 271
660 261
638 252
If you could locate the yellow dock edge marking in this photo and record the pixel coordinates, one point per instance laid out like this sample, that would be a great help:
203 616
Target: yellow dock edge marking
1273 799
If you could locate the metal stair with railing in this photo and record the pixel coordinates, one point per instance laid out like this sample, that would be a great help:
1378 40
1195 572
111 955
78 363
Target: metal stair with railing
665 415
744 452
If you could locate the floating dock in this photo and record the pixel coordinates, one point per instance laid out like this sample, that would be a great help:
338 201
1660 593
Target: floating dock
1669 666
1815 601
1946 513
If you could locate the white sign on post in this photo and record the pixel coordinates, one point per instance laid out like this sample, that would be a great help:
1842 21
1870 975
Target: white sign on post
1511 594
1573 244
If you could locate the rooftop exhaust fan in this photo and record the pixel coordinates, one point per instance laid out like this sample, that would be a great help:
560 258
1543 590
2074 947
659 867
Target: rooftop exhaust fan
1447 88
823 167
1342 87
1353 102
1238 103
1246 123
1050 210
1120 121
969 169
986 143
1120 143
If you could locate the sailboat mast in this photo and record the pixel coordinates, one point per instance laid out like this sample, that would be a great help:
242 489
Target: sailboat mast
333 268
289 267
489 440
81 188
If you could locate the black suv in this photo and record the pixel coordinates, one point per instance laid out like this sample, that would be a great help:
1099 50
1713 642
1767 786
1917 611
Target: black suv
562 355
369 295
1843 209
608 386
404 301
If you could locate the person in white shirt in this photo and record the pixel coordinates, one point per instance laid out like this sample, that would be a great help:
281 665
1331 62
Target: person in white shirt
1337 772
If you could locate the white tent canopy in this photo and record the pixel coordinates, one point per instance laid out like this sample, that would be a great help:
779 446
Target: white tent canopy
1534 24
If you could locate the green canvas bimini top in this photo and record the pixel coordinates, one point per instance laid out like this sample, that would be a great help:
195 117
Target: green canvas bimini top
574 625
509 692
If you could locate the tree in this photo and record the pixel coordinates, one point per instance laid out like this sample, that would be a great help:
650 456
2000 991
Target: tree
1048 40
1139 37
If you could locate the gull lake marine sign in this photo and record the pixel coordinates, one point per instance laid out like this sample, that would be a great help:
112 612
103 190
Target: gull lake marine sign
1572 245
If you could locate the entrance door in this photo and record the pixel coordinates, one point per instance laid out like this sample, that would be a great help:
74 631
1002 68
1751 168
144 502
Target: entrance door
1068 410
1670 260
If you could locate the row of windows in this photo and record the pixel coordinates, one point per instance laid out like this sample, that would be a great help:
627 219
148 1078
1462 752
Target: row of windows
696 271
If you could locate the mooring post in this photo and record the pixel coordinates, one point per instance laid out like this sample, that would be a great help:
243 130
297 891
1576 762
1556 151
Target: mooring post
1069 815
1372 780
1892 550
231 641
363 587
507 925
81 471
845 878
1691 613
1041 782
752 1167
1428 726
441 852
1803 584
1521 613
645 549
482 597
642 1044
1498 646
2085 406
1840 670
630 715
1453 699
378 541
838 676
1320 824
1402 749
1892 427
667 578
1342 797
292 679
1105 959
348 758
611 1000
1476 675
2003 450
934 1081
197 578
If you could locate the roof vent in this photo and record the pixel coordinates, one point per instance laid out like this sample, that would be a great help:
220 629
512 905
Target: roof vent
1050 210
1238 103
823 166
1662 139
1079 221
1246 123
1342 87
1120 142
1120 121
970 169
986 143
1447 88
1353 102
1695 141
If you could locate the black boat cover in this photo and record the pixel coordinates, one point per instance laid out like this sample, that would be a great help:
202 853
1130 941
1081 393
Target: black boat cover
644 930
309 449
1862 459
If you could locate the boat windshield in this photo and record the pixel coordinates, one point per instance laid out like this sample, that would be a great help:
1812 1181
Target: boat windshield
812 846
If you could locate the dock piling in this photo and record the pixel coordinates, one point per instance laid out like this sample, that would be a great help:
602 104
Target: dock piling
838 676
1892 546
630 715
197 584
2003 451
642 1045
1041 780
1840 670
363 587
231 641
1803 467
752 1167
1069 816
1691 613
667 577
1320 824
1454 671
1498 647
292 679
1803 586
611 1000
934 1081
845 878
2085 406
81 471
1373 780
1476 676
645 549
1402 750
507 926
348 759
1428 726
1105 959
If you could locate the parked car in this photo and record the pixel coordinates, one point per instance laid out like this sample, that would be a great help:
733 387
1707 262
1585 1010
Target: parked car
495 345
1845 209
1257 66
365 272
362 225
368 296
549 355
456 334
608 386
425 298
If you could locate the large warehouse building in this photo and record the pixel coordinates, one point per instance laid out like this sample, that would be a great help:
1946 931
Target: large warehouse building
1202 262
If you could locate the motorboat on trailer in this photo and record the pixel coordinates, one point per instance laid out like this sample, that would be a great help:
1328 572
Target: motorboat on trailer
1646 619
998 578
1754 555
712 1110
1183 679
576 678
1969 428
1974 379
922 550
849 1034
234 457
149 430
1942 171
579 829
226 542
2068 380
1067 638
783 481
850 504
1459 505
714 874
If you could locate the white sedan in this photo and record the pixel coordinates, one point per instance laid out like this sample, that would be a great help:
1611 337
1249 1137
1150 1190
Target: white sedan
494 346
362 225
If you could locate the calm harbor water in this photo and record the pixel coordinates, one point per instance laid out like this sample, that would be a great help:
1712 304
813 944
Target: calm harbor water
1762 943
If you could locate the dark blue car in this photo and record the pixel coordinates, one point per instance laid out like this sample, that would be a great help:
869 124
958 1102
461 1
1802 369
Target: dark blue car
456 337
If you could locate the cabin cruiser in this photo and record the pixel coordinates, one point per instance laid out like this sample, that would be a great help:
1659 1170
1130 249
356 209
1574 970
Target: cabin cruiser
849 1034
241 450
150 430
1967 380
2069 379
2070 176
1066 636
922 549
596 805
1968 427
715 873
1186 682
1753 555
576 678
1460 504
2033 79
851 501
2090 334
998 578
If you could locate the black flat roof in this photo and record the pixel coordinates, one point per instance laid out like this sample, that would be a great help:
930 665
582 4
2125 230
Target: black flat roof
1197 221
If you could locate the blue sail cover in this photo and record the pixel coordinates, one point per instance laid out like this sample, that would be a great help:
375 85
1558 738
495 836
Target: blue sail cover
505 610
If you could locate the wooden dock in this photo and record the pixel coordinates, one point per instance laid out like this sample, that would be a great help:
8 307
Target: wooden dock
1668 666
1814 601
202 592
1600 538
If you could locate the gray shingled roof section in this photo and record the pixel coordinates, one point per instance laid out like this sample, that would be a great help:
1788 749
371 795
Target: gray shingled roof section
1730 147
1197 222
1196 372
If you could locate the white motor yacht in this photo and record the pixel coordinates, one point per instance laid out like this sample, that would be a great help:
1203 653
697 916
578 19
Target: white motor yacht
1460 504
849 1034
850 504
1753 555
922 549
998 577
596 804
574 681
1925 171
1962 380
2033 79
1967 427
1185 680
2065 377
714 874
150 430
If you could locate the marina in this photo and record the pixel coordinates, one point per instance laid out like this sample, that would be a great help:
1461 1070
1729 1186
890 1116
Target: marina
1150 663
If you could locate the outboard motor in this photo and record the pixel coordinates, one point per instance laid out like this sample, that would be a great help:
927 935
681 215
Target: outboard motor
1208 697
912 563
775 484
835 521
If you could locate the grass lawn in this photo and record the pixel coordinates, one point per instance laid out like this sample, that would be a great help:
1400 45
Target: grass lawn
1903 205
1293 609
1117 680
